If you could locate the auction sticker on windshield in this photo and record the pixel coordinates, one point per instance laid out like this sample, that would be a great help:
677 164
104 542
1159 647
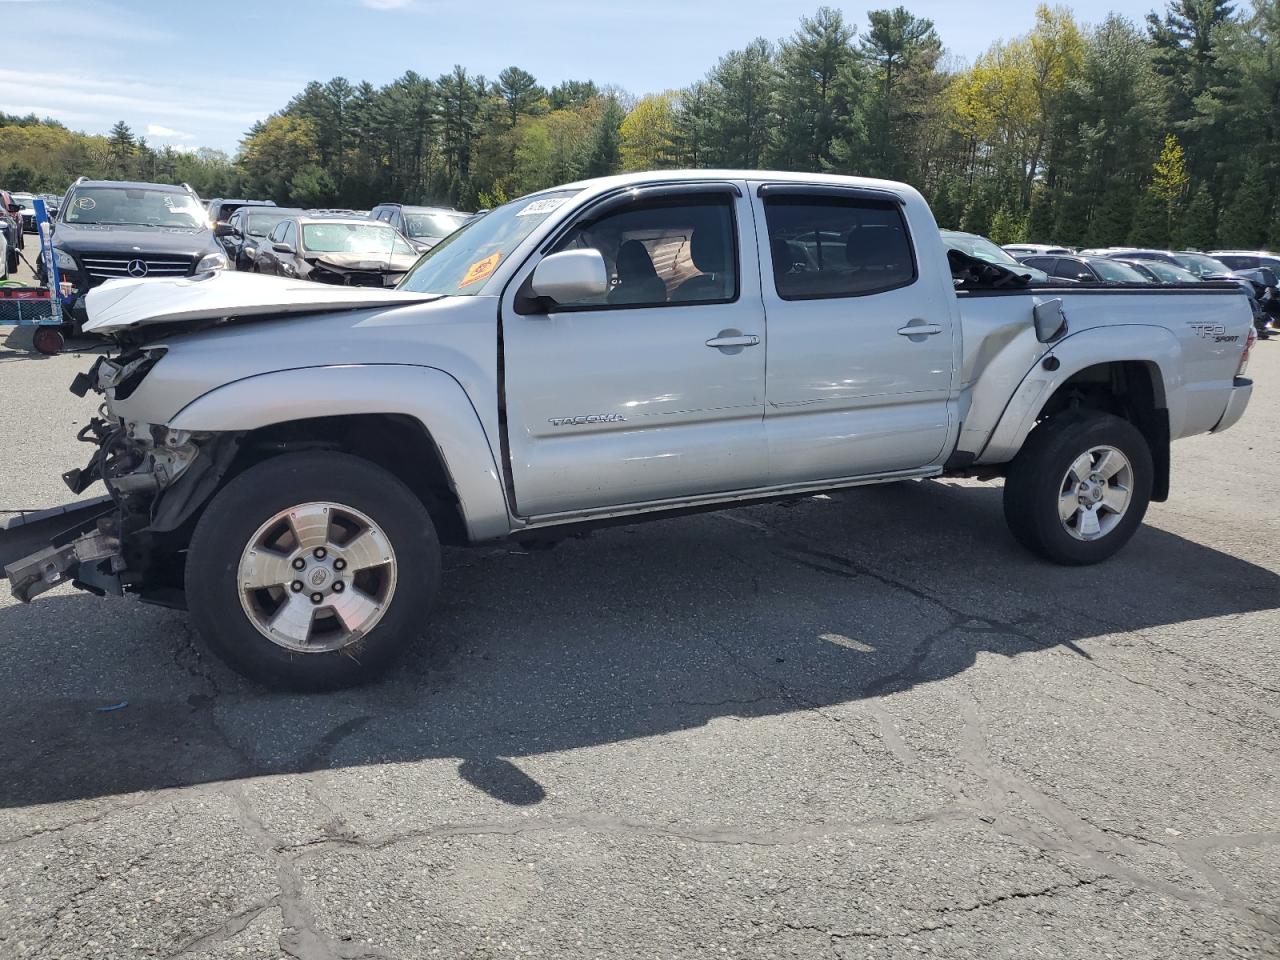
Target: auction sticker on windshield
541 207
481 269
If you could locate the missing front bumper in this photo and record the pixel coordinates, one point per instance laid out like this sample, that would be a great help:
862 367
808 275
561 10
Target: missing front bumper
92 561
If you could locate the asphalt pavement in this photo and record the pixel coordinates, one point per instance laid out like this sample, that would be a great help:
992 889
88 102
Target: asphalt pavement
862 725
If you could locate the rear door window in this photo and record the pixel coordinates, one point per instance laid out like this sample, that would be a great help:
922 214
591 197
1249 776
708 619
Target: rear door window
833 246
1073 270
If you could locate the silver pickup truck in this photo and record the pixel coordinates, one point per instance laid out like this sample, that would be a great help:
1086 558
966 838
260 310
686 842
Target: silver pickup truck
284 459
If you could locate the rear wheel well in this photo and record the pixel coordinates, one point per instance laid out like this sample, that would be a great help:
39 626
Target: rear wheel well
397 443
1131 389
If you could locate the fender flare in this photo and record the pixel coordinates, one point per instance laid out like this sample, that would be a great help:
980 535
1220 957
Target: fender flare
428 395
1129 343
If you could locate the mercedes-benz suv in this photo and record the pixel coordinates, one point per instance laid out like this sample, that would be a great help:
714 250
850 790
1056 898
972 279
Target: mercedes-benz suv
110 230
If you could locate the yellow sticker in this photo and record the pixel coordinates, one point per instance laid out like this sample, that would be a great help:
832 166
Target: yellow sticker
481 269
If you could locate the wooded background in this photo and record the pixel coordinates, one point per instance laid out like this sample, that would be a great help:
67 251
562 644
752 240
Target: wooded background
1165 133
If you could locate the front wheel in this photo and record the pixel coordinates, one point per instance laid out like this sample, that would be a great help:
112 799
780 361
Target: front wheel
312 571
1079 487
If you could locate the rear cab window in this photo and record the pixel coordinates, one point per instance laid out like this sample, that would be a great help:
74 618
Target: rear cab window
825 245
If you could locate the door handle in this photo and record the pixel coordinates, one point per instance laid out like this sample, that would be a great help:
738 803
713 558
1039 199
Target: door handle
742 340
917 330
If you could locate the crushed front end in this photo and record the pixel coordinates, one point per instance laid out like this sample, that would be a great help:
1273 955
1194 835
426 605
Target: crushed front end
156 477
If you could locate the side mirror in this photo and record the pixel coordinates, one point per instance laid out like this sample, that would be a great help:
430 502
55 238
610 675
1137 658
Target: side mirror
282 248
224 229
571 275
1050 320
1269 277
15 208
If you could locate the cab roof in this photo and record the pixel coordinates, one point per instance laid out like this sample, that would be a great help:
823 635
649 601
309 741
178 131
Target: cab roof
601 184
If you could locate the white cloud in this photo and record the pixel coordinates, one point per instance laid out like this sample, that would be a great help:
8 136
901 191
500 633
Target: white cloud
387 4
167 133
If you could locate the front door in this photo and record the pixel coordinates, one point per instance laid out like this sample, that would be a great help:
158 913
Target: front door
861 344
654 392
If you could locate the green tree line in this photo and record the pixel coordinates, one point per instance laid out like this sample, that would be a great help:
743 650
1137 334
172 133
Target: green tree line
1164 133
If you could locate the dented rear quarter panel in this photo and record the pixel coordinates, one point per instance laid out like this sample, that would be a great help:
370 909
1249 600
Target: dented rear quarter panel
1004 384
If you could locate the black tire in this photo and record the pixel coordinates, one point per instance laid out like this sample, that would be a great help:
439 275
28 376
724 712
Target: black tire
247 502
1035 477
13 260
47 340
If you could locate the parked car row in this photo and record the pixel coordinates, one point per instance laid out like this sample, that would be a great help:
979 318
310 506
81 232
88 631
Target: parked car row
106 230
331 245
1256 271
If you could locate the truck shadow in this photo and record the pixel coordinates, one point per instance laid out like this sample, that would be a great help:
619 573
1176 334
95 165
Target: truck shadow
635 632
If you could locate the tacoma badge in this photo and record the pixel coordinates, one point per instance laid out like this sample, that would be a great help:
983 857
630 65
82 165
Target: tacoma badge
593 418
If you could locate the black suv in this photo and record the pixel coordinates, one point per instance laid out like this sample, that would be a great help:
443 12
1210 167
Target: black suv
424 226
109 230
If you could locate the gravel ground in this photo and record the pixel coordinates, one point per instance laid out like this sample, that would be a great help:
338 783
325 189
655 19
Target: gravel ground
864 725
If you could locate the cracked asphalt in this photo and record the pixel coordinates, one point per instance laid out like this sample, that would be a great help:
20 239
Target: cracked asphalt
863 725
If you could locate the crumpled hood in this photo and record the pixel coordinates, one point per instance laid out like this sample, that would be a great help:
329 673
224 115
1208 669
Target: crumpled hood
125 304
364 261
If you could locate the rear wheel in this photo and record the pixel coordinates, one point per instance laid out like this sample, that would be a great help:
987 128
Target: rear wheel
312 571
1079 488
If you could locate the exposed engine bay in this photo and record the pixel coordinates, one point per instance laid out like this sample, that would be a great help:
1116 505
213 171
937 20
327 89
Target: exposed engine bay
156 478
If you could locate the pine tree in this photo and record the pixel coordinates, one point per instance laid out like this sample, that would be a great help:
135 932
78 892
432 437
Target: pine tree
692 125
818 74
1273 236
1040 217
1112 220
1151 221
978 214
947 208
1005 226
1170 177
1071 223
741 101
571 93
519 91
1198 230
1244 219
604 153
901 48
121 147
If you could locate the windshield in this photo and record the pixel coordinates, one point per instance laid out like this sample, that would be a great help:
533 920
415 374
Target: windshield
1168 273
1201 265
980 247
360 238
134 206
462 263
1114 272
432 226
260 224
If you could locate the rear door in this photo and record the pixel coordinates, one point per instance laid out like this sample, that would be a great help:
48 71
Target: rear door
861 345
655 392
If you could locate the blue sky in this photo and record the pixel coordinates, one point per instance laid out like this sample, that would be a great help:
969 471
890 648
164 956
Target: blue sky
199 72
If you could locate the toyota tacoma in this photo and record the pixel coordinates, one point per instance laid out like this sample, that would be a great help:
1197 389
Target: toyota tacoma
284 459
